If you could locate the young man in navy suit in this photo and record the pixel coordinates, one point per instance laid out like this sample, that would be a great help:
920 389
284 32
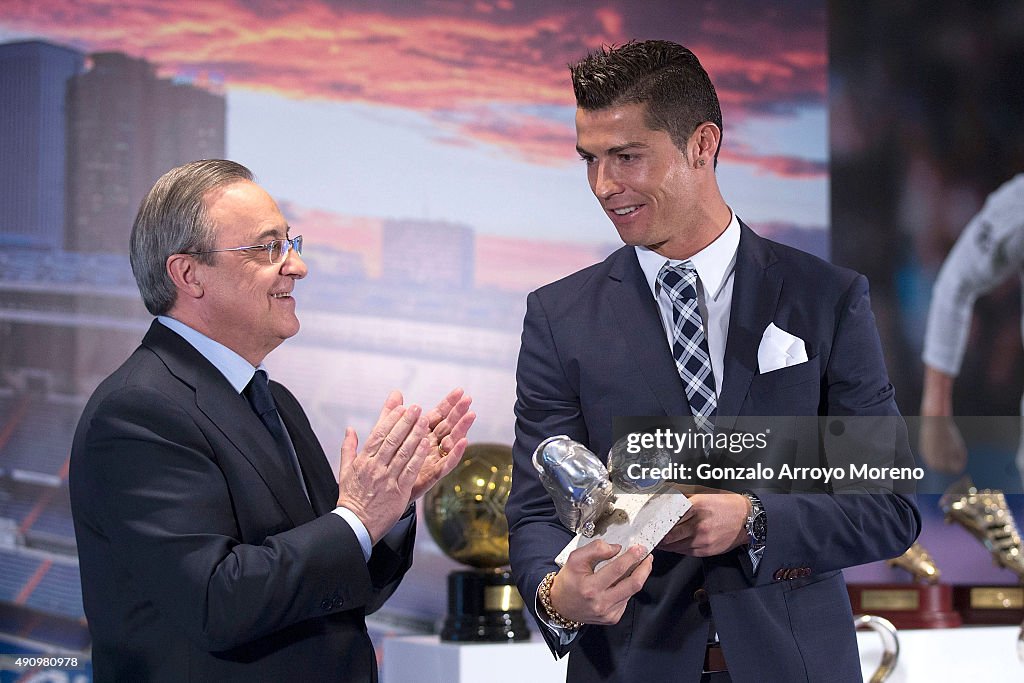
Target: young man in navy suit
748 584
215 543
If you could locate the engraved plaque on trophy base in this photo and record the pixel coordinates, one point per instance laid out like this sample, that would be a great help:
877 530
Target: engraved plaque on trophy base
991 605
484 607
907 605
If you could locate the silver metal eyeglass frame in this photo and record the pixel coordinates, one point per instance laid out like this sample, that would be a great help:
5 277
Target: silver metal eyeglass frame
288 244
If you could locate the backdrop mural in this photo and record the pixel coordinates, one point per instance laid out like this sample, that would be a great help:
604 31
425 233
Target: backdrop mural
424 149
921 132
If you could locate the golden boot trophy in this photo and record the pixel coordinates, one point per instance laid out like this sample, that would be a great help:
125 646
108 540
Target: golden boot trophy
919 563
986 516
924 603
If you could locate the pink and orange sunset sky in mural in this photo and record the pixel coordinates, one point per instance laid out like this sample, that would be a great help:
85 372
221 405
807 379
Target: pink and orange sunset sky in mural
463 111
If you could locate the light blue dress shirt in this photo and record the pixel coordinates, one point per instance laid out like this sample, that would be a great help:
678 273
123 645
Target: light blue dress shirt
239 372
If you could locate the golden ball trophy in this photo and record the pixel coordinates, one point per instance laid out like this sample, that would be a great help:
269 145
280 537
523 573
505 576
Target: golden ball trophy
465 514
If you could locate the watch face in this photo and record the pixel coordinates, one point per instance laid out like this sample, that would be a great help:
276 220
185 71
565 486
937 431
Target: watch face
759 527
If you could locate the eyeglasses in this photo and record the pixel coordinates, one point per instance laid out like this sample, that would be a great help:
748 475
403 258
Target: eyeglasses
277 250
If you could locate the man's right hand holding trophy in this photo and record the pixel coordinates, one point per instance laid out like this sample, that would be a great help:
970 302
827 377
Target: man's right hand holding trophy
618 518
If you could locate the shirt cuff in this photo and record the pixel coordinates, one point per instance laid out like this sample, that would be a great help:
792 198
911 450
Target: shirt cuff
565 636
755 558
362 535
396 537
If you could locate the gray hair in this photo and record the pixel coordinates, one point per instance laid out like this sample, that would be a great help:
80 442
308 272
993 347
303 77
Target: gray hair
172 220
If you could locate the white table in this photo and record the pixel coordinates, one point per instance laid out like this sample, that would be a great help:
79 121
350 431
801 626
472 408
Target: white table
425 659
970 653
926 656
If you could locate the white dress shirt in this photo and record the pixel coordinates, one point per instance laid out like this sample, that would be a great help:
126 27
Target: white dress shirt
715 266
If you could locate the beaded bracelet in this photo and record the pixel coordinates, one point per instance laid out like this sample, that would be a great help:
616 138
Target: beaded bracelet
544 595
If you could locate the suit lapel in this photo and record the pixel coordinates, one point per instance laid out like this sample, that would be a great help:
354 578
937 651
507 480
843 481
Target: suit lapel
640 325
233 416
320 482
755 296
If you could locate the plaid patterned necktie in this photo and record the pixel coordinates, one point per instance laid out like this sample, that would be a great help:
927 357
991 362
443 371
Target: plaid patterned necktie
689 345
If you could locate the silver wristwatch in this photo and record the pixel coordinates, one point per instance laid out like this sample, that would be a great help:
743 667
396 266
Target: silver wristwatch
757 524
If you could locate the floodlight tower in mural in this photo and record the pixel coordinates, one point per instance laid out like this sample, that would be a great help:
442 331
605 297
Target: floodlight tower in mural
419 259
33 80
81 141
127 126
33 147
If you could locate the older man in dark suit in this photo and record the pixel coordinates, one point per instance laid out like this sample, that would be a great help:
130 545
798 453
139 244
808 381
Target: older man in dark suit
214 541
696 316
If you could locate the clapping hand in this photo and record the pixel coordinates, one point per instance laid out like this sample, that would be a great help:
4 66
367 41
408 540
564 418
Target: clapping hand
405 454
449 423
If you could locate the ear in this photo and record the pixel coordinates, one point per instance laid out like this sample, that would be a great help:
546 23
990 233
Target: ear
704 144
184 273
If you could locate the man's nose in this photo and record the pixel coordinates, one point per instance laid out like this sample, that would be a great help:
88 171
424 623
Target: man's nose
606 183
294 265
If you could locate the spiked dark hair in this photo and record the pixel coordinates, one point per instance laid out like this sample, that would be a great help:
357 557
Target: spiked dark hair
665 76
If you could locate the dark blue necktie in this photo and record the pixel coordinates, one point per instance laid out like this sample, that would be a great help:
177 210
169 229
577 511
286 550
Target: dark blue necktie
262 402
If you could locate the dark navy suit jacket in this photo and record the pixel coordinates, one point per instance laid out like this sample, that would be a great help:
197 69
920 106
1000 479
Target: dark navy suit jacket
201 558
594 349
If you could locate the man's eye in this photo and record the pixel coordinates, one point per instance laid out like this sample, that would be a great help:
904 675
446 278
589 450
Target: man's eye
587 159
626 157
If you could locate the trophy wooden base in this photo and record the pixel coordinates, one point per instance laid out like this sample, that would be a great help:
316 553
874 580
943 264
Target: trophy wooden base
990 605
907 605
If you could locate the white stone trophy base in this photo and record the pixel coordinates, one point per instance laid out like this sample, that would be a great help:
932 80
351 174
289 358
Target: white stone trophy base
633 519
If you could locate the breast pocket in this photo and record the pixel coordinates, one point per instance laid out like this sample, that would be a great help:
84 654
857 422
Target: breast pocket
794 390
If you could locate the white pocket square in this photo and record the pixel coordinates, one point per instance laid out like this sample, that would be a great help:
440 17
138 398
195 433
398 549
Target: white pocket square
779 349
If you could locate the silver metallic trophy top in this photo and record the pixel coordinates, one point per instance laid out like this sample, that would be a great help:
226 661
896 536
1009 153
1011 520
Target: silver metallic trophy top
633 472
577 481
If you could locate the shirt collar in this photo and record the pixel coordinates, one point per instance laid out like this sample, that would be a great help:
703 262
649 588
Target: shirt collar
714 262
236 370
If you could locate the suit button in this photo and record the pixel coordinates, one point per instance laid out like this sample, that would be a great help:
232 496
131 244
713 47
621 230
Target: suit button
325 604
779 574
805 572
703 604
338 602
